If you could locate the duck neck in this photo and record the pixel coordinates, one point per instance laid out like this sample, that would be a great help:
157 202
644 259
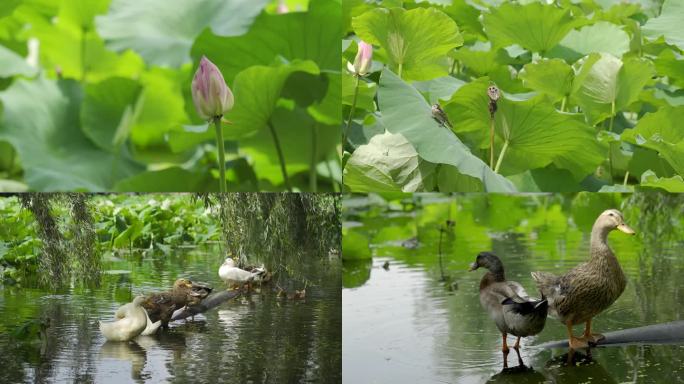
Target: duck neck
599 243
494 275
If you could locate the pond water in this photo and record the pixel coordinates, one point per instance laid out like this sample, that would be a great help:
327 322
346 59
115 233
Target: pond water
406 324
255 338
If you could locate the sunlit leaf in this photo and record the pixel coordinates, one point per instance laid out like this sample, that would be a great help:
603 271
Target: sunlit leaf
668 24
600 37
415 41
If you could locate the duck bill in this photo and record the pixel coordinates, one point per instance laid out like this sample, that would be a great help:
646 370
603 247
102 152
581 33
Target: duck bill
624 228
473 266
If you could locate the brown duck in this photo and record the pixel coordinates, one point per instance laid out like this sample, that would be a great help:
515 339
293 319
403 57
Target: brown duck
589 288
160 306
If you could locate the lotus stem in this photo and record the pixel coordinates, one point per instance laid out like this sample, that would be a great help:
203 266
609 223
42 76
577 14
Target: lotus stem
83 53
221 154
501 156
491 141
626 178
351 112
399 70
283 169
610 145
314 156
562 108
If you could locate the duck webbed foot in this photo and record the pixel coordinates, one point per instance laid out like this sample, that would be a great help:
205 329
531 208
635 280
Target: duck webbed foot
591 338
575 342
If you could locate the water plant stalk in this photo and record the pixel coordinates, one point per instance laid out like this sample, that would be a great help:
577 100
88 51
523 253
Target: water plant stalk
221 154
491 141
313 182
562 108
610 145
351 111
83 53
281 158
501 156
399 70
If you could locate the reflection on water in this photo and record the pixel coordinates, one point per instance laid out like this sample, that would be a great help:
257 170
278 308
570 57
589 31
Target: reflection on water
255 338
402 324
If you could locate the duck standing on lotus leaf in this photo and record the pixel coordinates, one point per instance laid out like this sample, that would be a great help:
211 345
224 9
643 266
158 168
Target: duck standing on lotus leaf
131 322
507 303
589 288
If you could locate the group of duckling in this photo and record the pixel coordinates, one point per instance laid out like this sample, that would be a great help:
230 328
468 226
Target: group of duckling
573 298
145 314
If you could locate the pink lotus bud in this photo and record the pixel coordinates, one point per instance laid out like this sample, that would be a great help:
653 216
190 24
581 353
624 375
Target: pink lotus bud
363 60
210 93
282 8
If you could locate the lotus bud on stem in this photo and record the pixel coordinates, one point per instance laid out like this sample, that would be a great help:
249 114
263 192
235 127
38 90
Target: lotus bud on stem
213 99
360 67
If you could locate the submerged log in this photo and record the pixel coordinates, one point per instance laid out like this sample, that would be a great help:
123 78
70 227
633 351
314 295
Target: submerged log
209 302
665 333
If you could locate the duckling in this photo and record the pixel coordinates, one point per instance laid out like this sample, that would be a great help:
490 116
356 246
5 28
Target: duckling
131 322
231 274
508 304
160 306
589 288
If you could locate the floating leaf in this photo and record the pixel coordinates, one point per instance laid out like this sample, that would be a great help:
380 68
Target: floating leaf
416 41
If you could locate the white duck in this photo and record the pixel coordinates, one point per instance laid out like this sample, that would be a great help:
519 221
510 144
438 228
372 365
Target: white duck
151 327
132 321
231 274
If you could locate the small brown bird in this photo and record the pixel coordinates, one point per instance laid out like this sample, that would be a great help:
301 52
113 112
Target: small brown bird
160 306
439 115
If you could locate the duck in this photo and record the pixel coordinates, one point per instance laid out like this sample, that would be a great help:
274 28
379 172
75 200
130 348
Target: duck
231 274
160 306
131 322
512 309
577 296
151 327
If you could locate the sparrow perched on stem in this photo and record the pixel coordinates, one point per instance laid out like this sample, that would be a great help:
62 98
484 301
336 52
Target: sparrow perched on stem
441 117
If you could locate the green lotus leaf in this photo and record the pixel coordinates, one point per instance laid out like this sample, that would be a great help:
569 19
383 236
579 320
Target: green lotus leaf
405 111
171 179
469 112
70 50
109 111
553 77
661 131
11 64
600 37
54 152
313 35
536 27
674 184
256 91
388 163
366 96
605 85
467 17
667 64
668 24
416 41
538 135
163 34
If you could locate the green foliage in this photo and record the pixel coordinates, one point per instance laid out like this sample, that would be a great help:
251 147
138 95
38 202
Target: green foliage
575 78
113 77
